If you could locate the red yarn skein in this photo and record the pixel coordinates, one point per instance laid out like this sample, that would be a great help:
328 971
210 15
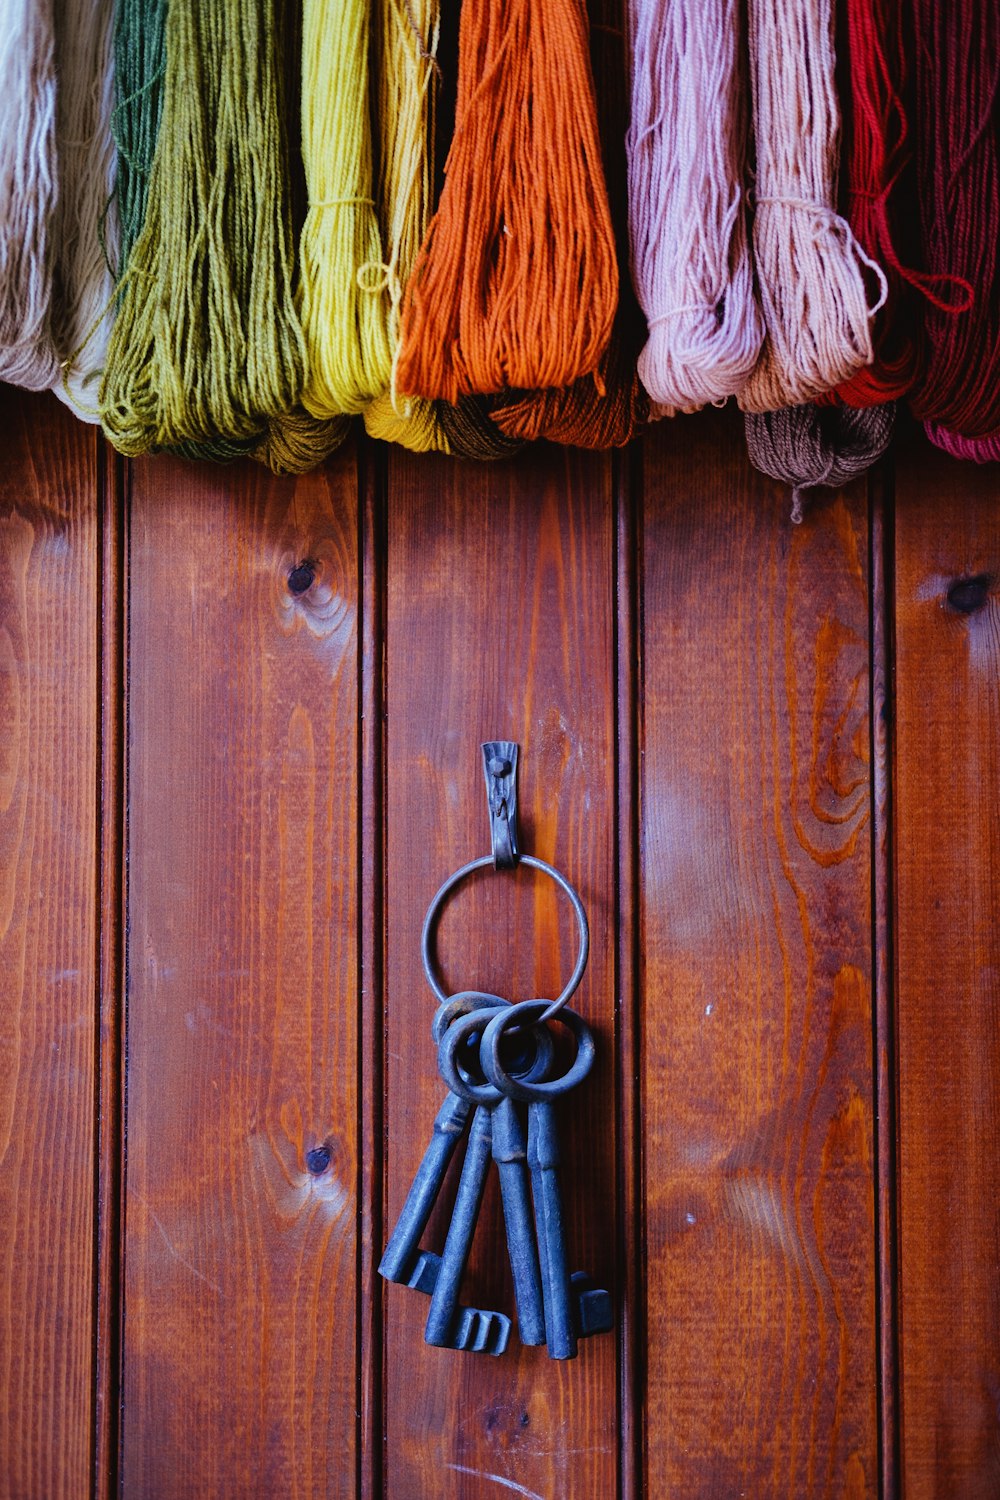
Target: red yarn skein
957 79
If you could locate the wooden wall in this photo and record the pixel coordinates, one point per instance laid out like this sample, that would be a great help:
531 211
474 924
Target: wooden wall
768 756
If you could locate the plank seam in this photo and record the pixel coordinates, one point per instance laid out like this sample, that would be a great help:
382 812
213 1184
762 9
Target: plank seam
884 1073
110 920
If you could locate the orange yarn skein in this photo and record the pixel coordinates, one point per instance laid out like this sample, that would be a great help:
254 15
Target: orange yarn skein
516 283
605 409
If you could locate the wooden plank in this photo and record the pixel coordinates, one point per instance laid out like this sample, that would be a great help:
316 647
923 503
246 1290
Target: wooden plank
756 932
948 971
240 1358
500 624
48 923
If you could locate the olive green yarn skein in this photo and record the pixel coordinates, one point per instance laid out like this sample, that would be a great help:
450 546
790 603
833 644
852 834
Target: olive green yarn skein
207 354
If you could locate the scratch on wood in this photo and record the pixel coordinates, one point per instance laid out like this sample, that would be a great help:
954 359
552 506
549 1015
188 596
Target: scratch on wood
508 1484
173 1248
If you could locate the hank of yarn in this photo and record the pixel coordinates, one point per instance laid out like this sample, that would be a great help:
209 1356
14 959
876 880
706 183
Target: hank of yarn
877 158
297 441
691 259
813 276
605 409
472 433
584 414
86 219
516 283
957 77
983 450
807 446
343 283
881 200
406 33
207 344
28 192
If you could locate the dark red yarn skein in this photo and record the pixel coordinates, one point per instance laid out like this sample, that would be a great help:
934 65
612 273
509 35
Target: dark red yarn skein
956 81
880 193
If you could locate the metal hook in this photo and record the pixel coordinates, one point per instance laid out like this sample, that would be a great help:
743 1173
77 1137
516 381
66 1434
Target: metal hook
500 770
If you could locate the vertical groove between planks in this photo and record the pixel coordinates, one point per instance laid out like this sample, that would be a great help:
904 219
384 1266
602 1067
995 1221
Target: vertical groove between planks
110 917
372 480
628 643
883 1015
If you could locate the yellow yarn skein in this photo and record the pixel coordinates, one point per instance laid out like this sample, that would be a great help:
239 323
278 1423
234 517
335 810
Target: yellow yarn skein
207 344
343 283
407 34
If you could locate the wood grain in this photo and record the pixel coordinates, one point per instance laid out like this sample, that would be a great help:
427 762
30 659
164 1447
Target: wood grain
756 931
241 1370
500 624
48 926
948 971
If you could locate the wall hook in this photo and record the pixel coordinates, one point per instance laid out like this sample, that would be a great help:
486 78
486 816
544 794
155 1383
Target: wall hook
500 770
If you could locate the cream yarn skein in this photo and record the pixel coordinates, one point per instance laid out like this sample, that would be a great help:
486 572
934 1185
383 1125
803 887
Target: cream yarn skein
691 261
28 191
814 278
86 218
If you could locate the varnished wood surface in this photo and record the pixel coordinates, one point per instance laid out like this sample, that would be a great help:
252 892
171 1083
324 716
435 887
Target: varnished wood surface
793 910
756 1010
947 773
48 942
240 1264
500 624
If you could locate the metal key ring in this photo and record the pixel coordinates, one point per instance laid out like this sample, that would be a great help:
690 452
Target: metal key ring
486 862
528 1089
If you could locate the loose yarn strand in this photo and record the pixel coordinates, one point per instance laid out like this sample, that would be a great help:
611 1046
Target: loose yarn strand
86 219
207 345
28 193
691 258
516 283
407 33
811 270
344 284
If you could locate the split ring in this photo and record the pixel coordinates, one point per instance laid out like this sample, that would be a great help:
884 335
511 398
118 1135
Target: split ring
486 862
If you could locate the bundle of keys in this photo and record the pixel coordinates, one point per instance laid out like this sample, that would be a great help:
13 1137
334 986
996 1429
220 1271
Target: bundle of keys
497 1060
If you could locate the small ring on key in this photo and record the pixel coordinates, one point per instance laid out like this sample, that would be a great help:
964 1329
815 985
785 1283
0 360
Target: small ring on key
458 1035
527 1089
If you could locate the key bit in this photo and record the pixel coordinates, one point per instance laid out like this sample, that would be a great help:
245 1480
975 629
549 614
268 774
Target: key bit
477 1331
592 1306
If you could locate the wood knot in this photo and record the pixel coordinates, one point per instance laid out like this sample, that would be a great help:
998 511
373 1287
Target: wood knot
302 576
318 1159
966 595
